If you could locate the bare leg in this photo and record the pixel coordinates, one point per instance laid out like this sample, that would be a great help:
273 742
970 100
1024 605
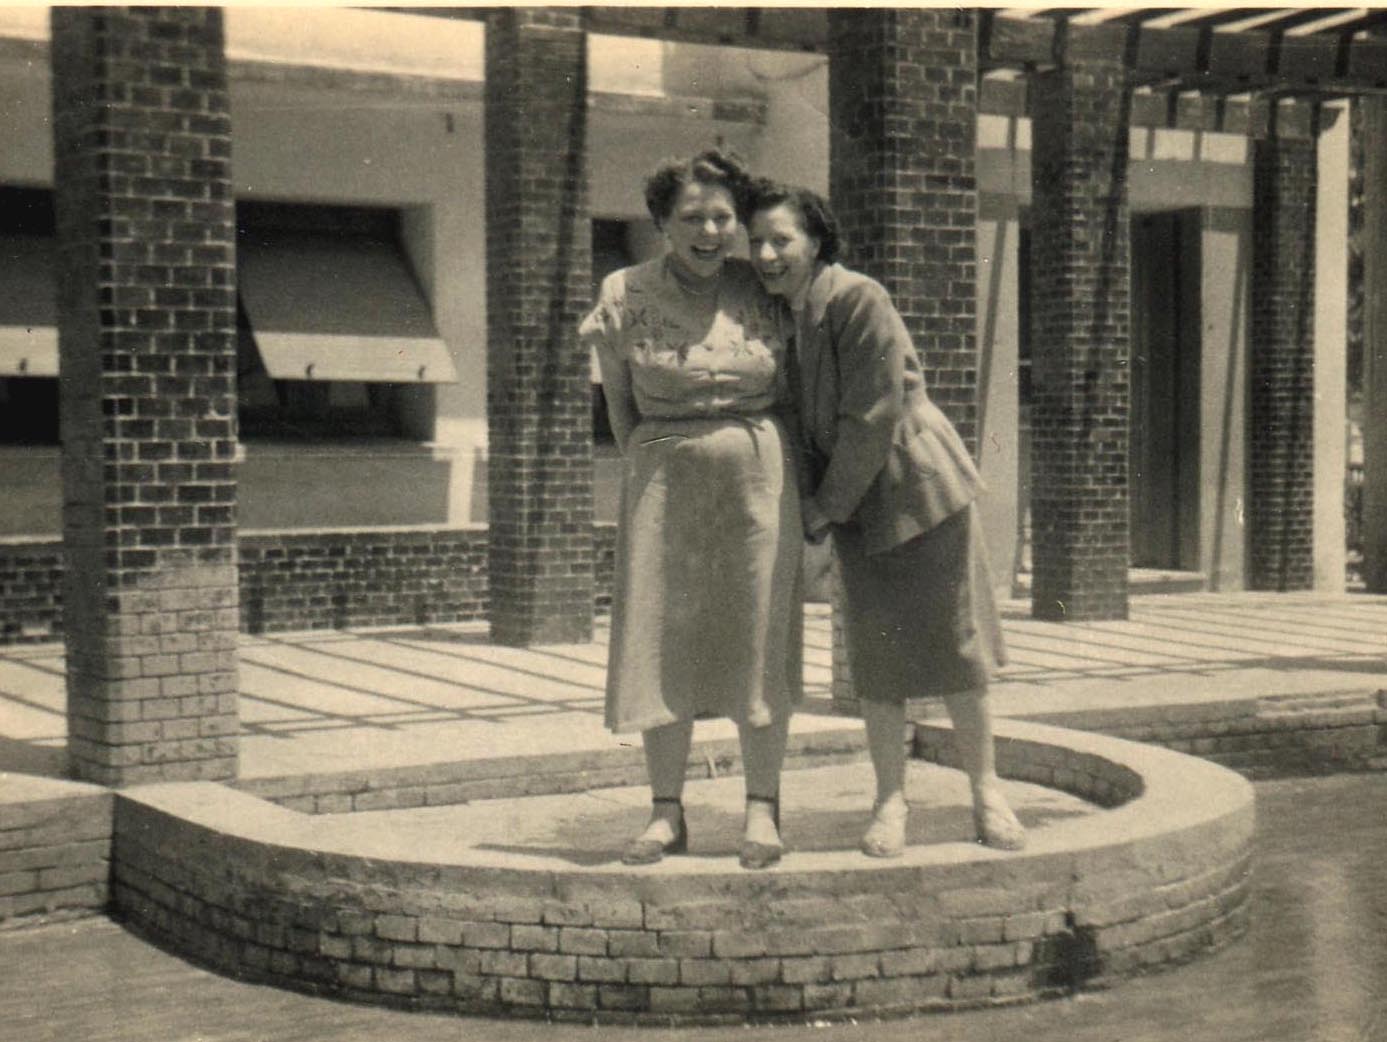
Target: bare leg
993 819
763 753
885 836
666 762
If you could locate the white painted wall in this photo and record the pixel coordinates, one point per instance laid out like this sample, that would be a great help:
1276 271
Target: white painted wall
1226 259
1331 353
348 145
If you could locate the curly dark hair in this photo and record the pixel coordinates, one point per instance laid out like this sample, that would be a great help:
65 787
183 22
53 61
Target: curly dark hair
713 166
815 215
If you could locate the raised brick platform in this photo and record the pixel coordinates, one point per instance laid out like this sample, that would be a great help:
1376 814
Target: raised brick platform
1147 866
55 845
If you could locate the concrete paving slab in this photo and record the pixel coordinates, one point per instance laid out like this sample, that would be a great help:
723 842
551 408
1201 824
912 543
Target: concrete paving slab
825 810
407 697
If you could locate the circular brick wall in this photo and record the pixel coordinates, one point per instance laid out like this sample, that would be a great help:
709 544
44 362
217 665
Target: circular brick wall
1158 875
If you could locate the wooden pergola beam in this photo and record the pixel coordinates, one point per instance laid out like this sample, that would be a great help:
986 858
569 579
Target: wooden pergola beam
1202 56
1170 109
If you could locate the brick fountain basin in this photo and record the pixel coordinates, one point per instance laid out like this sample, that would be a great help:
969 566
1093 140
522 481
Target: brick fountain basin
1138 857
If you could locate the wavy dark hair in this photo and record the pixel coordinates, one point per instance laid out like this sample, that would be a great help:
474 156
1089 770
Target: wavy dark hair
713 166
815 215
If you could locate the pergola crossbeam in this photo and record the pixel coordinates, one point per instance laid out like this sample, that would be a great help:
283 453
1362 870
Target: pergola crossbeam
1282 55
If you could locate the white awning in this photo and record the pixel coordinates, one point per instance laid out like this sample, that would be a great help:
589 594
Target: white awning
28 306
324 307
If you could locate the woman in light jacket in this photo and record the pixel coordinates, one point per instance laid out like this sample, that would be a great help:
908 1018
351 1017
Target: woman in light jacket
889 477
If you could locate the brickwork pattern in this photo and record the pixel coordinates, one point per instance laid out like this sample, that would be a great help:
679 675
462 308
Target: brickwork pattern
146 229
31 575
904 106
1272 737
686 948
54 858
1080 257
538 263
374 577
1281 368
310 580
448 784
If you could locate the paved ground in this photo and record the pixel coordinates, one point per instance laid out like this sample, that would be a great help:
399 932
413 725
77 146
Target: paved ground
1311 969
331 701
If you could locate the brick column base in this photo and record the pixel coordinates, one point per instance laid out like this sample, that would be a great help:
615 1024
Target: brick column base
1374 528
1080 259
147 350
903 96
1281 494
539 246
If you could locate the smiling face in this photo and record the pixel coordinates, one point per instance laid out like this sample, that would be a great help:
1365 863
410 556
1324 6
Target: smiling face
783 252
701 228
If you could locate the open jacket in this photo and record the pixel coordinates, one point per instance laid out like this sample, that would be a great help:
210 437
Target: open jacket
880 454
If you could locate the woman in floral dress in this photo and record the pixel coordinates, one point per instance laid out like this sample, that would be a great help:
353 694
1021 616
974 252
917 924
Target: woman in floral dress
706 617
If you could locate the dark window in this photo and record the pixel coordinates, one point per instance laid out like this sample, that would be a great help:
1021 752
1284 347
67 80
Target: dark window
335 338
28 318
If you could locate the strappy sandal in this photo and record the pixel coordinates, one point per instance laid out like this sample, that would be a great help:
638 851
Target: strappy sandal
642 851
762 855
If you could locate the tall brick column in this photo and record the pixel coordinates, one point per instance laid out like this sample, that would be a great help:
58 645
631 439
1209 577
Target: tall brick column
146 335
904 105
538 253
1375 343
1081 307
1281 488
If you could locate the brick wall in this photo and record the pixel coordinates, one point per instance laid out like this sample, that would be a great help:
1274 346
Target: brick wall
206 871
538 257
310 580
903 98
31 574
1281 368
369 578
1080 266
55 850
142 144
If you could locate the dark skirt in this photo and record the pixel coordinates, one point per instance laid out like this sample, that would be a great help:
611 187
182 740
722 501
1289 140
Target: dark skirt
920 619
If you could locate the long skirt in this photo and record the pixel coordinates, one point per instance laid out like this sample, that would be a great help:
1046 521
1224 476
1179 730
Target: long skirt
706 612
920 619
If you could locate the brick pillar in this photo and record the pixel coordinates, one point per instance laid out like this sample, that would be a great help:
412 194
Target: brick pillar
538 252
1374 413
904 105
146 335
1281 489
1080 261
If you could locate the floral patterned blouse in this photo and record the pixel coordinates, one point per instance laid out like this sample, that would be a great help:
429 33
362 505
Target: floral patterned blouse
670 353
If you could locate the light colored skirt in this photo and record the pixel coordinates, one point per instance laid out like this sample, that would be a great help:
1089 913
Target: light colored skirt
707 617
920 619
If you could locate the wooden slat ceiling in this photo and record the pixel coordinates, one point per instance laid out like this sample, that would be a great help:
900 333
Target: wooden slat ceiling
1286 51
1218 50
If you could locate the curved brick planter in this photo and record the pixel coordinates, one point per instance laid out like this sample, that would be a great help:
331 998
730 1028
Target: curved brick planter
1158 876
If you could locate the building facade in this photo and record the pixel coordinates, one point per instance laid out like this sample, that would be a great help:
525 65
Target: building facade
287 304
